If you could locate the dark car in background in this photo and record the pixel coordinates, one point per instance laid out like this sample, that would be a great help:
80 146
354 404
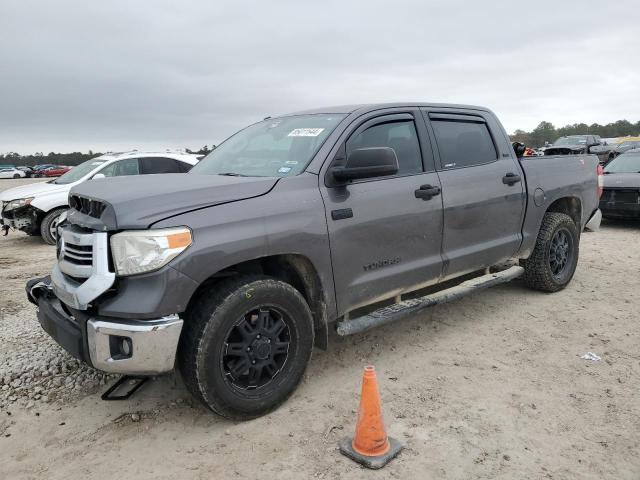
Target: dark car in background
621 195
37 169
573 145
28 171
622 148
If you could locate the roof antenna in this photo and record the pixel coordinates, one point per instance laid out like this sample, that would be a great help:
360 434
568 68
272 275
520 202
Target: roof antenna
267 118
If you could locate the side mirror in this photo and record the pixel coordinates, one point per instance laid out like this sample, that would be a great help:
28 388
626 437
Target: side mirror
519 148
98 175
367 163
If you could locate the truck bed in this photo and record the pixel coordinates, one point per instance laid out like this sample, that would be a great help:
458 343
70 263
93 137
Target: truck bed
551 177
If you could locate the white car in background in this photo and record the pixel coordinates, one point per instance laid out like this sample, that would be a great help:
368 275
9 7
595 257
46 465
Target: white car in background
11 173
35 208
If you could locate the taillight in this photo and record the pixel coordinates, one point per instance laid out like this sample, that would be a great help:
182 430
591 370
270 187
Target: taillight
600 171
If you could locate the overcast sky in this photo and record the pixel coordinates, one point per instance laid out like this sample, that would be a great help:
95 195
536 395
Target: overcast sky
113 75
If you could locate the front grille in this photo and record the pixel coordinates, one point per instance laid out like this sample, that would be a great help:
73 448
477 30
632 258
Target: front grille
78 254
93 208
76 248
620 195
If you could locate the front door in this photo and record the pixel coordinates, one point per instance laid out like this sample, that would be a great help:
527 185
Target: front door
384 239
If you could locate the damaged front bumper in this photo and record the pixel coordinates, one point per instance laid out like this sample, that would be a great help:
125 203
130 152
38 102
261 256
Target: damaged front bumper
25 219
134 347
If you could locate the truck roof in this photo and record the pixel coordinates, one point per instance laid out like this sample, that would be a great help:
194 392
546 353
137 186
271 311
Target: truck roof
364 107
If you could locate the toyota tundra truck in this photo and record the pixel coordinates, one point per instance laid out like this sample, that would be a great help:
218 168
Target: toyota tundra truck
341 218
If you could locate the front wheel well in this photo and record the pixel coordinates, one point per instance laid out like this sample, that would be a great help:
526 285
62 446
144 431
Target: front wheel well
296 270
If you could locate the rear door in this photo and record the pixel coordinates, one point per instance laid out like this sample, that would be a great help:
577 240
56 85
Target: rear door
384 239
483 191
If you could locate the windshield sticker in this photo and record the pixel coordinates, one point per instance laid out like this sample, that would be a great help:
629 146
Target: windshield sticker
284 169
305 132
291 162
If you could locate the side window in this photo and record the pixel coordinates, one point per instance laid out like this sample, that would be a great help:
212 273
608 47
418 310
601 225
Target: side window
463 144
183 167
401 136
159 165
121 168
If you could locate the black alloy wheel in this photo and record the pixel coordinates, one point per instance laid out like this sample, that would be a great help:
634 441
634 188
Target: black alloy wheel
560 252
256 348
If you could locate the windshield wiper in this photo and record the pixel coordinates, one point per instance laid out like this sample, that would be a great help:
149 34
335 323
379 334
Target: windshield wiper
233 174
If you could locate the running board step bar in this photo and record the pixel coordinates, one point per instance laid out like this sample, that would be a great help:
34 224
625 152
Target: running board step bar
411 307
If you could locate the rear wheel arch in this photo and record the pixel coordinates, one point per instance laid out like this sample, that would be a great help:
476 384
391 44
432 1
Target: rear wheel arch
571 206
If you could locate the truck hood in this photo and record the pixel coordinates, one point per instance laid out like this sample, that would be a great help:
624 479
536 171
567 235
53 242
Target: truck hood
622 180
32 190
139 201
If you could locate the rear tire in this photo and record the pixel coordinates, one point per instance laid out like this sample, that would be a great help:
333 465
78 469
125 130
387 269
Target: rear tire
49 224
244 348
555 256
16 176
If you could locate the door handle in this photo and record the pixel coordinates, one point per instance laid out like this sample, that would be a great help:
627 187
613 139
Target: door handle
510 179
427 192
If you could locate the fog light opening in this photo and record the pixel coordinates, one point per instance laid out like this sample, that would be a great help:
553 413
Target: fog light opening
121 348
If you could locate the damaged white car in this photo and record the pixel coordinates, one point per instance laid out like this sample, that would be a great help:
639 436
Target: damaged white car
36 208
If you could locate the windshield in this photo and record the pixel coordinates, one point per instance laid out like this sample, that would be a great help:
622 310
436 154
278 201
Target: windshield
76 173
277 147
626 163
571 141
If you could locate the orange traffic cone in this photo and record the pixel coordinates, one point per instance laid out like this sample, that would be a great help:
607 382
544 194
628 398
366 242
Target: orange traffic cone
370 447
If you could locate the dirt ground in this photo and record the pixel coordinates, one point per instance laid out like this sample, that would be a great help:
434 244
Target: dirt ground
488 387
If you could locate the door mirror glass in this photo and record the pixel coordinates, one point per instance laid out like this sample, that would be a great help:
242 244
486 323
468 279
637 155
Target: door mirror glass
367 163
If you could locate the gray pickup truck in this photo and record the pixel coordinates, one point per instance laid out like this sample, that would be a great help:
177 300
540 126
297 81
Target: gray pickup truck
347 217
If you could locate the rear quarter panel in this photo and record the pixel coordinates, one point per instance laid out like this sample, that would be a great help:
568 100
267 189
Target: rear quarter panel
557 176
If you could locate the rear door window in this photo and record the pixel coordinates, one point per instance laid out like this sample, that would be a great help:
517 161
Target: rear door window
121 168
463 143
151 165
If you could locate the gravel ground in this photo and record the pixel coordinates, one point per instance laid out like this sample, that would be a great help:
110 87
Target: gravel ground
492 386
33 368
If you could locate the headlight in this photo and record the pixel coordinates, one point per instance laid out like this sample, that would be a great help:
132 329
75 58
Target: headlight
139 251
20 202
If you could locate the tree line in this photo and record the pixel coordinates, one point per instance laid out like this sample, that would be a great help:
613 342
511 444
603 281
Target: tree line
544 132
69 159
547 132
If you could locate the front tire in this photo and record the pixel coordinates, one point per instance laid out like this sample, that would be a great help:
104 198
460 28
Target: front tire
555 256
245 347
49 225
